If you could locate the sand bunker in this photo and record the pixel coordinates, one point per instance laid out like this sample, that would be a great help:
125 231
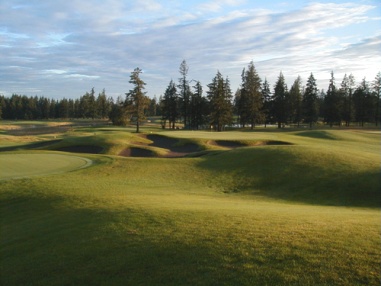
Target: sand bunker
236 144
227 143
136 152
171 145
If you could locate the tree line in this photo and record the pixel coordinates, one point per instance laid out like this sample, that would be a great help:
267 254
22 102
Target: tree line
21 107
254 102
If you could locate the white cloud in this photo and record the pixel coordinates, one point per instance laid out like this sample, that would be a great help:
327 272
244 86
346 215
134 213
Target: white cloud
217 5
82 45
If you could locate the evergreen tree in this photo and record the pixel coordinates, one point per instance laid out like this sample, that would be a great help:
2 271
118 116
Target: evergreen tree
184 93
2 105
295 101
198 107
118 112
77 108
377 91
237 105
365 103
279 101
136 101
45 107
169 105
71 108
250 102
267 103
92 112
220 98
103 105
63 108
152 109
346 93
84 105
311 101
333 104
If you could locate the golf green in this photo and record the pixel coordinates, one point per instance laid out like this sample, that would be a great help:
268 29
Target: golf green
26 165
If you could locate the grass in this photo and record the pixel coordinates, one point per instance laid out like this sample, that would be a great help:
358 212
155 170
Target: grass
300 214
26 165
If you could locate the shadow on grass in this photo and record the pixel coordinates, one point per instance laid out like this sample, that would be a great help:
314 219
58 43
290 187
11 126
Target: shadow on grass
53 240
316 134
44 241
282 174
34 145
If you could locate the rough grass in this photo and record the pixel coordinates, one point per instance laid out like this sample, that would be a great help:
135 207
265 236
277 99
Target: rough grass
300 214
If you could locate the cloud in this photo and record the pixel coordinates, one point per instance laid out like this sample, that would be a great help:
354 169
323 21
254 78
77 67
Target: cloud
45 44
217 5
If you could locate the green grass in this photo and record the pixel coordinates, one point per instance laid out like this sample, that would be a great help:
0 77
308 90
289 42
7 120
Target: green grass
26 165
300 214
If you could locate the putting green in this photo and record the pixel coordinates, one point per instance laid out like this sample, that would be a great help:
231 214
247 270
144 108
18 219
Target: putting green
26 165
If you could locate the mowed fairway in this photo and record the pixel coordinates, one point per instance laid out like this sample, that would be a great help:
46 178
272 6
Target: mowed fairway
26 165
303 210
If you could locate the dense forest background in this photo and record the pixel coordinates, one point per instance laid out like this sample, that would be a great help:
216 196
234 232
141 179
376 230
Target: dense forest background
254 102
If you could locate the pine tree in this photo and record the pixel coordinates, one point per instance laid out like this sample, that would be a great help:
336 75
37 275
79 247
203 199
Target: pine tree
136 101
377 91
295 101
310 101
118 113
267 103
365 103
63 108
92 105
169 105
103 106
198 107
333 104
220 97
152 106
250 102
184 93
346 94
279 101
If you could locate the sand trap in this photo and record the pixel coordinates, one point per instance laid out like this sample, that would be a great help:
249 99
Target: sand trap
158 141
227 143
14 166
136 152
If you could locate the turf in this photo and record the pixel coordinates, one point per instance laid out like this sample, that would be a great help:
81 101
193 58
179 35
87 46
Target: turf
26 165
305 213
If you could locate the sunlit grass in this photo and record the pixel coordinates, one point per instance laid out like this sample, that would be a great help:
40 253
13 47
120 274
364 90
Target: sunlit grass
300 214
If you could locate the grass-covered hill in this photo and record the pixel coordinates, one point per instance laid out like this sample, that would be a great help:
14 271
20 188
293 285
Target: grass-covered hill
192 208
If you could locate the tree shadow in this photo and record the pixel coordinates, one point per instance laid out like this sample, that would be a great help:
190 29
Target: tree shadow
45 241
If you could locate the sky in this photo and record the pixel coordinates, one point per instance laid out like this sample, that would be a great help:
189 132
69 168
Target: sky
62 49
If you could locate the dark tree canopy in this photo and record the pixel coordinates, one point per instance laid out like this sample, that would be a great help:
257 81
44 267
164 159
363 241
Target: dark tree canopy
254 103
170 105
220 98
279 101
310 101
249 104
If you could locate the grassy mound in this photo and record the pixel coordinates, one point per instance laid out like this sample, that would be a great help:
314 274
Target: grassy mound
308 175
259 215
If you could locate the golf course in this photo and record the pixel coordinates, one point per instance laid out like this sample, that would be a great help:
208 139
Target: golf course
104 205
